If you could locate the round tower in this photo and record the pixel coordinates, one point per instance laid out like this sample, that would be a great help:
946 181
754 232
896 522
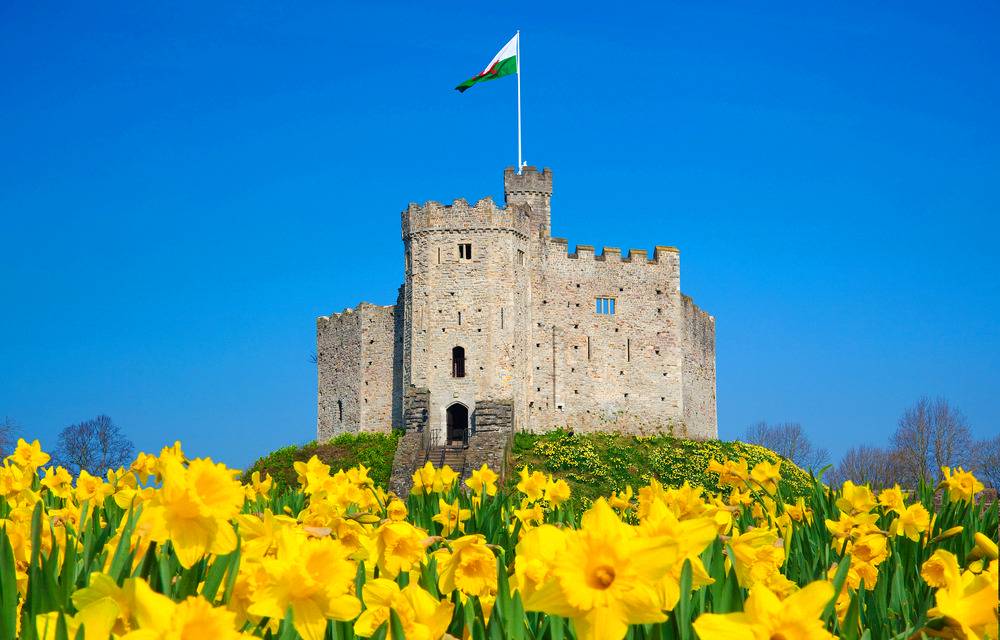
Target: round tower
467 309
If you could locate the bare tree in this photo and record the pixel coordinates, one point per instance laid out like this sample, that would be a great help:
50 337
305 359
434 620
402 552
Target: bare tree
988 461
95 445
872 465
8 436
788 439
931 434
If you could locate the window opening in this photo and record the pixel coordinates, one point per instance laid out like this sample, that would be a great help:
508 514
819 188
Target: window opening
605 306
520 257
465 251
340 410
458 362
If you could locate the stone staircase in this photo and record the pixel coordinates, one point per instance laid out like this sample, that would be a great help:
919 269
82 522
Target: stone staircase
453 456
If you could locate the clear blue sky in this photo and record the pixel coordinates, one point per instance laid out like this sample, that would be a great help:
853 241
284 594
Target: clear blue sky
185 186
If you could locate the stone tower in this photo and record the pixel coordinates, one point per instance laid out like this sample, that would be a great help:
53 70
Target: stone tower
499 327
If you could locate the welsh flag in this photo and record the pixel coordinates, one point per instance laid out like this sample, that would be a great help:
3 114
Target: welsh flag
503 64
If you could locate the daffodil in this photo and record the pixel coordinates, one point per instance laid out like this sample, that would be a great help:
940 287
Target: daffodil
960 484
28 456
313 578
400 546
160 618
606 578
912 521
941 569
193 509
969 604
556 491
468 566
451 517
532 484
766 476
732 473
58 482
765 616
483 480
892 499
422 616
855 499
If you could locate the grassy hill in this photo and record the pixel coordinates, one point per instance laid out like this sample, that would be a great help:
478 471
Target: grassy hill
593 464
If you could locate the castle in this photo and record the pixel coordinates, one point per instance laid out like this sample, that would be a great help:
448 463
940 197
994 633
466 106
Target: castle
498 327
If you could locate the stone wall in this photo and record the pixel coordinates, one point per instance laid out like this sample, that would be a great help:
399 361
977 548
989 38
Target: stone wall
601 371
409 453
699 372
357 357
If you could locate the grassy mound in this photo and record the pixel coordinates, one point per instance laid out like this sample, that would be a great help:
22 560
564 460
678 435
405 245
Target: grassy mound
593 464
598 463
374 450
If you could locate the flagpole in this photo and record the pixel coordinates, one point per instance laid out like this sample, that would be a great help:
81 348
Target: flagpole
518 54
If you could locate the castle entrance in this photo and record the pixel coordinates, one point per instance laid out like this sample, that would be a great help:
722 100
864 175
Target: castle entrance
458 424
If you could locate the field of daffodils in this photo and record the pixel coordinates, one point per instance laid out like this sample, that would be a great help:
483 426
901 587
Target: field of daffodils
173 547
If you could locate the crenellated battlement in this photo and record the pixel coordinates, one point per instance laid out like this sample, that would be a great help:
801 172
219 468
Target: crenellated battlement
460 215
661 254
530 181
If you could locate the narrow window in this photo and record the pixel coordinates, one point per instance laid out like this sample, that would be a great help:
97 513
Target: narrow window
588 347
340 410
458 362
628 350
605 306
520 257
465 251
501 317
459 318
439 255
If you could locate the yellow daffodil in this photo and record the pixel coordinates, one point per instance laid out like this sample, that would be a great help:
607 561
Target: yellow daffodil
423 479
855 499
985 548
396 510
621 500
960 484
423 617
556 491
400 547
311 576
766 476
892 499
29 456
732 473
469 566
483 480
451 517
968 604
58 482
160 618
765 616
606 578
193 509
941 569
532 484
912 521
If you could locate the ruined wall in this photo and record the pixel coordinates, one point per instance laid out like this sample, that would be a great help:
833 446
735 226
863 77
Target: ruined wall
357 355
699 371
599 372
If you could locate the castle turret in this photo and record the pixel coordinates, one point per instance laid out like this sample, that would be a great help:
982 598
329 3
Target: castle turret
531 189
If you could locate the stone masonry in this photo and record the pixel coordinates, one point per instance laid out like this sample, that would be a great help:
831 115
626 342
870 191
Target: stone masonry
499 326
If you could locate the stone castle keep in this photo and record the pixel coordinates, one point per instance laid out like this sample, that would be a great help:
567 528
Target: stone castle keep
498 327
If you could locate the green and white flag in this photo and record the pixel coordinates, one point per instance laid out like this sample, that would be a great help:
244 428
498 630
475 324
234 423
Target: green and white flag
502 64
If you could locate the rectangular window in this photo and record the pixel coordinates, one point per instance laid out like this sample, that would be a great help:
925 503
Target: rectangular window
465 251
605 306
439 255
501 317
520 257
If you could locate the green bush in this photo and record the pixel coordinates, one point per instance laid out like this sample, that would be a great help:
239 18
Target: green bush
374 450
596 464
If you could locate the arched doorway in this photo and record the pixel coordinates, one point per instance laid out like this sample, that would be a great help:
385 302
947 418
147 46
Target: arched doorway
458 424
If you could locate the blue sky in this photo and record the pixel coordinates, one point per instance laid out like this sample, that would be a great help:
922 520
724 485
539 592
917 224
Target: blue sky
184 187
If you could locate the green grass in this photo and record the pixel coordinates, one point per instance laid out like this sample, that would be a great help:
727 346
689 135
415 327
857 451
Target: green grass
598 463
374 450
593 464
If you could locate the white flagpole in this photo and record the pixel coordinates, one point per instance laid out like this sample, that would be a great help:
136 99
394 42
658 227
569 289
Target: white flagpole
518 54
